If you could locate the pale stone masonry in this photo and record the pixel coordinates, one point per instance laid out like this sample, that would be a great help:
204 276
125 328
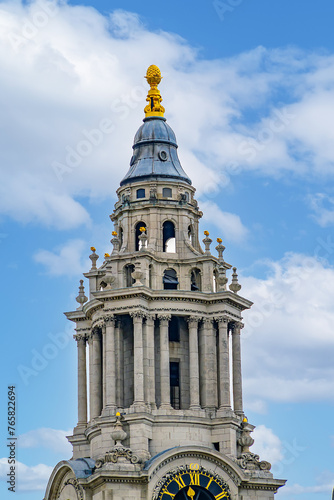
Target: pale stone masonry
157 326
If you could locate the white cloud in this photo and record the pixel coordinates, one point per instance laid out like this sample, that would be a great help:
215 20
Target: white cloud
288 342
64 87
229 224
51 439
33 478
323 207
66 260
267 445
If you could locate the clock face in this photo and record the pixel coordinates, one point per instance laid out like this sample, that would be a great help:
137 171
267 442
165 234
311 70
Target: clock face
192 482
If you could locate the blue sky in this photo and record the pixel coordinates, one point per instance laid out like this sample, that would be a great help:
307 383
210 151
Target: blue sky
249 90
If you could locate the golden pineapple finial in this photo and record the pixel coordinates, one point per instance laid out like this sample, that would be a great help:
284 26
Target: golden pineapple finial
154 107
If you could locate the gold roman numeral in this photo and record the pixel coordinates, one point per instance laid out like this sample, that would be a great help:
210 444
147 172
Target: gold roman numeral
165 491
210 481
221 495
194 478
180 481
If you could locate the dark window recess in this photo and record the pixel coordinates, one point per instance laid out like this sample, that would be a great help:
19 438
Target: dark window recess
216 446
120 232
128 270
195 280
170 280
174 371
168 233
167 192
140 193
174 330
138 233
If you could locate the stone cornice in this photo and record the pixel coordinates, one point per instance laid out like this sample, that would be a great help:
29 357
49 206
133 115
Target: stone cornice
131 256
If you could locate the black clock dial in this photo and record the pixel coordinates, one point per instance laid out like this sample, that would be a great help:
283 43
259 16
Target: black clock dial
194 493
193 483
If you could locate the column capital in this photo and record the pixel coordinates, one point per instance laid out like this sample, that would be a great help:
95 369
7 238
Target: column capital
208 321
193 319
236 326
96 332
80 337
164 317
221 319
109 319
137 315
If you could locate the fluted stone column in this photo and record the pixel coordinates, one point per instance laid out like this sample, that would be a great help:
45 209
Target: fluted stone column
119 365
104 367
138 356
224 364
90 367
110 369
210 394
193 363
150 373
96 375
236 367
164 362
82 380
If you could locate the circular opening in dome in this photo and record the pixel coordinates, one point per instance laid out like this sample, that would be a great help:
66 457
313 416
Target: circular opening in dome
163 155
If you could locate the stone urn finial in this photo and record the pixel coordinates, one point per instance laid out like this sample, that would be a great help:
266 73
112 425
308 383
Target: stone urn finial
81 298
235 285
118 434
93 257
115 242
108 278
220 249
245 440
207 242
143 238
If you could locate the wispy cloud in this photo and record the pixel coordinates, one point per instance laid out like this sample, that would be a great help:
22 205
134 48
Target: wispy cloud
51 439
288 343
78 97
30 478
65 260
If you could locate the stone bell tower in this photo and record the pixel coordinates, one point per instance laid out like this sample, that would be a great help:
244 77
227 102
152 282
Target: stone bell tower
162 330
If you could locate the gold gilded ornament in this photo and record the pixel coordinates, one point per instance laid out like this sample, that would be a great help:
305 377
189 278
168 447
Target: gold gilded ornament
154 107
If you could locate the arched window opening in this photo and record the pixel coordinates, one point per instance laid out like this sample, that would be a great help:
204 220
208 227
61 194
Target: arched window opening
120 233
128 270
174 329
140 193
150 272
138 233
168 237
167 192
195 280
174 372
190 233
215 282
170 280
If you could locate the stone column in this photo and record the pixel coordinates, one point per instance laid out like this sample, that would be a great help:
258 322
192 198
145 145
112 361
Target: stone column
209 367
96 375
104 366
236 368
82 380
193 363
138 360
90 344
110 369
150 373
164 362
119 365
224 364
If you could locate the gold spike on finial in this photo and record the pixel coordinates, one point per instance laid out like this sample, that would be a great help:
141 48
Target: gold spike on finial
154 107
